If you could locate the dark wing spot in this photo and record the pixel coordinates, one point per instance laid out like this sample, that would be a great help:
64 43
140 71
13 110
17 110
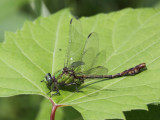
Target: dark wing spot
89 35
71 21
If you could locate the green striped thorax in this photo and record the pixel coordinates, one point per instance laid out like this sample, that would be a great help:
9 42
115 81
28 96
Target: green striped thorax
61 77
64 77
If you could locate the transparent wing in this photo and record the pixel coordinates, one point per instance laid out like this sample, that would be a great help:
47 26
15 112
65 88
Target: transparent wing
99 70
100 59
76 44
90 52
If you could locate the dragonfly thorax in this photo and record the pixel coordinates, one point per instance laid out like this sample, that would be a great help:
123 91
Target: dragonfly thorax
66 76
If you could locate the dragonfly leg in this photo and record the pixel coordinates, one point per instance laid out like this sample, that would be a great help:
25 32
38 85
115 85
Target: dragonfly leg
56 87
49 92
43 81
76 88
57 93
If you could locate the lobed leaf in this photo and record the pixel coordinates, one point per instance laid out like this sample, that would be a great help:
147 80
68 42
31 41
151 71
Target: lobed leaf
129 37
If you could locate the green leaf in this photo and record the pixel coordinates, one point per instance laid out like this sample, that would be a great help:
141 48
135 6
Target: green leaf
129 37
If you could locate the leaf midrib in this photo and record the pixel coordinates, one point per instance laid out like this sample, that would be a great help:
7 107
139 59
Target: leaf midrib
56 41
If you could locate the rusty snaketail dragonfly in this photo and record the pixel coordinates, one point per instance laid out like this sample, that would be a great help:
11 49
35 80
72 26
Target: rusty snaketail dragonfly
82 62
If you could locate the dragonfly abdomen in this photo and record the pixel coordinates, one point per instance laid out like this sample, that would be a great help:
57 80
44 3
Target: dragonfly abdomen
99 76
90 76
132 71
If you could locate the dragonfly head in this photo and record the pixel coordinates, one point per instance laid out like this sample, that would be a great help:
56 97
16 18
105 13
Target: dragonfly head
48 79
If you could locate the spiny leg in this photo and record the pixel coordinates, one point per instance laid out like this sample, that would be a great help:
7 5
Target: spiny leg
43 81
56 88
76 88
57 93
53 89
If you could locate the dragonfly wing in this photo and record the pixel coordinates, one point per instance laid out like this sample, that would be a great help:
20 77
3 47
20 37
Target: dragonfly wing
99 70
90 51
76 64
76 44
100 59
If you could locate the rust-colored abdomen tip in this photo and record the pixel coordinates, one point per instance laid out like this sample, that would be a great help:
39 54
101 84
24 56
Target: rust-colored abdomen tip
142 65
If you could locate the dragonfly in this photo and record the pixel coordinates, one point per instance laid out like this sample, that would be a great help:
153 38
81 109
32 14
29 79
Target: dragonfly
83 61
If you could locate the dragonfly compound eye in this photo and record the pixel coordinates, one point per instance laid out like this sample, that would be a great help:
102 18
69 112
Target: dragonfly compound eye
48 77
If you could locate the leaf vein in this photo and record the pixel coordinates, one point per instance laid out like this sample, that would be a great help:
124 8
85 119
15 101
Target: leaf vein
36 41
56 41
22 75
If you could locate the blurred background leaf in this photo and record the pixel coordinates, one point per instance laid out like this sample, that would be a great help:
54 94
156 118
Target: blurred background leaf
13 13
22 107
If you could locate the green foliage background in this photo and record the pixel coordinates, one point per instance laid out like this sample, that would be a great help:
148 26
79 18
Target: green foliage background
12 17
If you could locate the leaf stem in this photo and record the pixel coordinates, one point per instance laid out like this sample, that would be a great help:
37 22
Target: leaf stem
54 107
